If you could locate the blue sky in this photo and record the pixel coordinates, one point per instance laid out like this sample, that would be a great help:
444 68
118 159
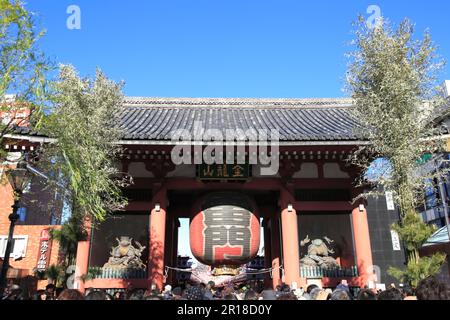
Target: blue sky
223 48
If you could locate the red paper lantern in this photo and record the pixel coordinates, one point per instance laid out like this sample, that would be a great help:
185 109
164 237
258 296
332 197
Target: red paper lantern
225 229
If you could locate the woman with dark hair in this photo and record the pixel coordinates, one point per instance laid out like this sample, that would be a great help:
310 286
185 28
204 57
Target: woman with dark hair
432 289
50 292
367 294
408 293
390 294
251 295
40 295
96 295
70 294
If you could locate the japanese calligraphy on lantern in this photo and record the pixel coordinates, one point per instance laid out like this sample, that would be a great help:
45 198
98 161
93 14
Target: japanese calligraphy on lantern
44 250
227 226
225 231
223 171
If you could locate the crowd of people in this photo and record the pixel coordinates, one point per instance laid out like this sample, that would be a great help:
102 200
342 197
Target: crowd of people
427 289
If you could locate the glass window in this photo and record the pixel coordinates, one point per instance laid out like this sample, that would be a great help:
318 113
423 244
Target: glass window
22 212
19 246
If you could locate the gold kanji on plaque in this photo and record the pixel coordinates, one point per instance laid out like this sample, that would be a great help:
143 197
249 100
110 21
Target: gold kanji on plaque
208 172
238 171
222 171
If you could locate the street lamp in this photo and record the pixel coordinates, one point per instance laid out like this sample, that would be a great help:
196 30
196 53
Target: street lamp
19 178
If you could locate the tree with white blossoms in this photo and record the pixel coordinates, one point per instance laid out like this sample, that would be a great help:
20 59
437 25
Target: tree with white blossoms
23 69
393 79
85 124
81 115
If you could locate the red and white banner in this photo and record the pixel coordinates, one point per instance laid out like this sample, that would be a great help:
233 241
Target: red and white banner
45 247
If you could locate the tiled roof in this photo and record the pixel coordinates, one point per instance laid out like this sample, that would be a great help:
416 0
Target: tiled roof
439 237
296 119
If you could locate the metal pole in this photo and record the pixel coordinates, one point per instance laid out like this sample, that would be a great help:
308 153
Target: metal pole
13 219
444 205
444 202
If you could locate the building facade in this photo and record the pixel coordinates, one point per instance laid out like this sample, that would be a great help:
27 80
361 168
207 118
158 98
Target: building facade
307 197
32 248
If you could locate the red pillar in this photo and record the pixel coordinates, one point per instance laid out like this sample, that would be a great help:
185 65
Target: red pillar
82 260
291 255
157 246
363 250
275 251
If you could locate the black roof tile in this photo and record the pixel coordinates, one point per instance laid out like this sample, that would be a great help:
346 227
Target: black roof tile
296 119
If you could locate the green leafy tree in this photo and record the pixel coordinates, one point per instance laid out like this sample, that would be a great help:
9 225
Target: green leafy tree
414 272
68 236
84 122
393 79
23 69
55 274
80 114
